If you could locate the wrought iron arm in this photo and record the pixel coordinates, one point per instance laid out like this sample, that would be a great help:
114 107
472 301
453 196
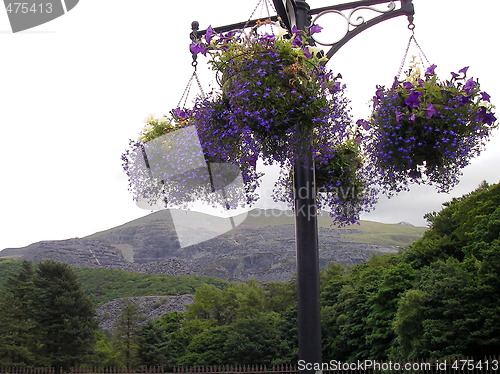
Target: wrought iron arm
359 23
237 26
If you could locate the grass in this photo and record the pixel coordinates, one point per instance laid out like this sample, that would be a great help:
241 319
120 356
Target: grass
104 285
384 234
368 232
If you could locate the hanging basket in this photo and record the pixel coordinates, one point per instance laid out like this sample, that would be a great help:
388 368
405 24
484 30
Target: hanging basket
425 130
181 159
271 82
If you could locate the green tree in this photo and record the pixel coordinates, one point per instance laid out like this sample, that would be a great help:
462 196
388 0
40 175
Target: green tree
457 263
176 336
211 303
289 334
154 346
459 229
278 297
103 352
453 319
396 279
243 324
206 348
254 340
64 314
18 336
349 303
408 326
125 340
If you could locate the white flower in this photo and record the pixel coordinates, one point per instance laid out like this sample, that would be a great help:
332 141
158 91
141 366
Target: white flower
314 50
149 118
148 128
487 105
280 32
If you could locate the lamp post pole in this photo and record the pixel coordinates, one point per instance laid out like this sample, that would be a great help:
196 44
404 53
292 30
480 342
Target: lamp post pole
306 236
298 13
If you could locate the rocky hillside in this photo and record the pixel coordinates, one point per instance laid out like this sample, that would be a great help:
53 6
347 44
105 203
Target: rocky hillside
262 246
149 308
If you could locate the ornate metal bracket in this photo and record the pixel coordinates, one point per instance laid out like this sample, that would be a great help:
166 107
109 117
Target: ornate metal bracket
356 24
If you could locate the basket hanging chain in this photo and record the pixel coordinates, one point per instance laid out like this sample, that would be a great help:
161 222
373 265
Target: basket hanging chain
264 4
421 53
187 90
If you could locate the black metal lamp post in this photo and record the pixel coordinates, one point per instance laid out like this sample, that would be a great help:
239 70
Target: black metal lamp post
298 13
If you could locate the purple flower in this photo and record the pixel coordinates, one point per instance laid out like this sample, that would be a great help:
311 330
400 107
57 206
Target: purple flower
430 111
297 41
395 84
364 124
209 34
269 37
398 115
179 113
454 75
306 52
412 100
485 96
314 29
430 70
464 70
485 117
469 85
408 85
197 48
379 94
464 100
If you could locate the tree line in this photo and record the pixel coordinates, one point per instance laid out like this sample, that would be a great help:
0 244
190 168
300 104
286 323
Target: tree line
45 318
438 298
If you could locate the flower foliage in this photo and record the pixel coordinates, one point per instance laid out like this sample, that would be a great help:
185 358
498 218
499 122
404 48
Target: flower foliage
425 130
191 155
343 183
275 87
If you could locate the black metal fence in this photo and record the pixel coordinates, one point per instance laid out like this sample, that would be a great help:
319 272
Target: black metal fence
487 365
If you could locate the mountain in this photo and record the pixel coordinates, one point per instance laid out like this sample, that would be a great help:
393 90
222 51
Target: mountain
262 246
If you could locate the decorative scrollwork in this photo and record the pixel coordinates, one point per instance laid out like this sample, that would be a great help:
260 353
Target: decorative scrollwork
351 19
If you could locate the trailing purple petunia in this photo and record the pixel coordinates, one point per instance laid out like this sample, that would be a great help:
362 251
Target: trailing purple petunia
424 130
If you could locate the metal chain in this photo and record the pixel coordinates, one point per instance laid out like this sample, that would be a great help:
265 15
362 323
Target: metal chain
422 52
253 12
404 57
411 26
187 90
265 4
199 84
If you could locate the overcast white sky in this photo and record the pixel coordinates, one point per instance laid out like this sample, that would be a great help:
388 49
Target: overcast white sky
74 90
